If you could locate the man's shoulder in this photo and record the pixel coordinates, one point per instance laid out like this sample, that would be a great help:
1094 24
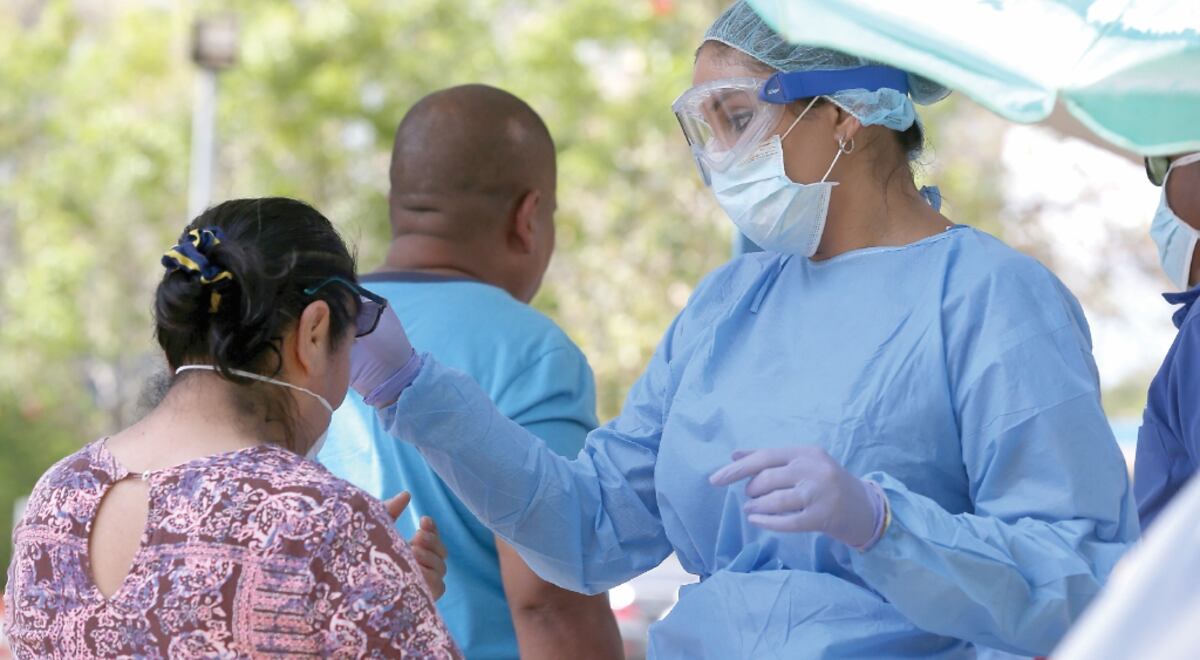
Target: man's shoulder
463 319
530 368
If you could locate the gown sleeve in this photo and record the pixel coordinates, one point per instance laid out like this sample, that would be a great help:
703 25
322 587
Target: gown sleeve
586 525
553 398
1052 505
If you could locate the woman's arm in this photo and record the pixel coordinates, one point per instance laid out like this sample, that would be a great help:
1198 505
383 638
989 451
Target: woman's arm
1053 510
585 525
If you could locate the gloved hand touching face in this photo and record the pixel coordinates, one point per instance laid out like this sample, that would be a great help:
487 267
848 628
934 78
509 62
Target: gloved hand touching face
383 363
803 489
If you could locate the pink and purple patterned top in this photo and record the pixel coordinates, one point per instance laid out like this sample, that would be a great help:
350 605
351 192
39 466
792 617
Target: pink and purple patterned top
252 553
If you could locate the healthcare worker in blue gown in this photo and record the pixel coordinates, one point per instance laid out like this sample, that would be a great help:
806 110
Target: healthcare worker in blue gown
1168 449
879 438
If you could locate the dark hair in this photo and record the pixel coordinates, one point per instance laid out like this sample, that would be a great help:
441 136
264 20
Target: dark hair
274 248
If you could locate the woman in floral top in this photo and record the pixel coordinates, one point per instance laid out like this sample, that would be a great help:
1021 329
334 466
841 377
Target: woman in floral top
201 531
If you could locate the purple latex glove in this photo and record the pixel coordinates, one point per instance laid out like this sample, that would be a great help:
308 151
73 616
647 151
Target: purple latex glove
383 363
802 489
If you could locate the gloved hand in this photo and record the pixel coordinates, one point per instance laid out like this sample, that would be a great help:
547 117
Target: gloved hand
802 489
383 363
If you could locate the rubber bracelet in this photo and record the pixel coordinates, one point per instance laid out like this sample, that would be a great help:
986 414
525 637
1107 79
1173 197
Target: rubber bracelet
883 515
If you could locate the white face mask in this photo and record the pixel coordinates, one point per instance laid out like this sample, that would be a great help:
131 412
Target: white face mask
316 447
1176 240
775 212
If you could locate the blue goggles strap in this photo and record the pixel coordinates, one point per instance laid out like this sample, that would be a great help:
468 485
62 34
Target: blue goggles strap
795 85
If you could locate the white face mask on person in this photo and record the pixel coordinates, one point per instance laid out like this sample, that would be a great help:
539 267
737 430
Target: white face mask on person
775 212
316 447
1176 240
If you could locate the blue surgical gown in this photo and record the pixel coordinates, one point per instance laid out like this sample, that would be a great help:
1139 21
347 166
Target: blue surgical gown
1168 448
955 372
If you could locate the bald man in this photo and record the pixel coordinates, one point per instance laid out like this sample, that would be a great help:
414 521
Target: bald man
472 213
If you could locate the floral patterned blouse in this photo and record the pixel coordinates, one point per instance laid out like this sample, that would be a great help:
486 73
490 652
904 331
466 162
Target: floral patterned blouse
252 553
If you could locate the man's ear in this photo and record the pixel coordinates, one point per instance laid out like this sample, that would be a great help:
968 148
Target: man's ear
523 222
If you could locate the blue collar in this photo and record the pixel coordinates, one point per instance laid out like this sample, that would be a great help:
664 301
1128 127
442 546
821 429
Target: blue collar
1187 299
411 276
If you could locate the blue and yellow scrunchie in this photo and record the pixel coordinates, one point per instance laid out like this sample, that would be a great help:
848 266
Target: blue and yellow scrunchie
189 255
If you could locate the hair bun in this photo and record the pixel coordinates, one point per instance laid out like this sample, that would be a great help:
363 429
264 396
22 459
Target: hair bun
191 255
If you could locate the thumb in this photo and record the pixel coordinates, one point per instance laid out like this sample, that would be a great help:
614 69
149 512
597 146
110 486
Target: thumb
397 504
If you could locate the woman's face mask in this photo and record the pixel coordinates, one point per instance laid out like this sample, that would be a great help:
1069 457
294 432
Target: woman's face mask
775 212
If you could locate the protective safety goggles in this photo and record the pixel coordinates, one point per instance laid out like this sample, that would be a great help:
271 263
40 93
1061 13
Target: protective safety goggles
1156 169
370 304
725 121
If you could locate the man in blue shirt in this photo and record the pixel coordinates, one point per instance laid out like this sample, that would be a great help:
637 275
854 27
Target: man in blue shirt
472 213
1168 451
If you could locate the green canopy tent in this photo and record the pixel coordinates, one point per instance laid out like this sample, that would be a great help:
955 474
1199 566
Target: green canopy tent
1128 70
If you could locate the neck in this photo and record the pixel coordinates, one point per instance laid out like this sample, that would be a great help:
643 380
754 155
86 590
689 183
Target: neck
426 254
197 418
865 212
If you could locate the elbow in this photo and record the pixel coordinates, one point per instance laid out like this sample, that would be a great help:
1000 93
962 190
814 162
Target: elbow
545 599
559 608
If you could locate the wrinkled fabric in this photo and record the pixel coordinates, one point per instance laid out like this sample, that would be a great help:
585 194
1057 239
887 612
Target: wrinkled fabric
1150 606
1126 69
1168 448
253 553
954 372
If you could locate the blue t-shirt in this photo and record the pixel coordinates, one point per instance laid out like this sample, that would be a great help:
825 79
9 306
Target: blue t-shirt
1168 449
534 374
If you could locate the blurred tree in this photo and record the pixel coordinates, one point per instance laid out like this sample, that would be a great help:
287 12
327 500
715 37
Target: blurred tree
93 149
92 131
32 438
312 109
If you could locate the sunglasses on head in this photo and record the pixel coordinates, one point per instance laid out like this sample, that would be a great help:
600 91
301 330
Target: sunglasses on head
370 305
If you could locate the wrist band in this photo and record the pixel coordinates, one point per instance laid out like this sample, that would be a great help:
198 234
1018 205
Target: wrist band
883 516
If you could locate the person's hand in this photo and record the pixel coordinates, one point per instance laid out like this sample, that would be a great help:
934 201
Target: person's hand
427 546
431 554
802 489
383 363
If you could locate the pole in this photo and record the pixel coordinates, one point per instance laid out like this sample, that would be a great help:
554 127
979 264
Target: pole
204 122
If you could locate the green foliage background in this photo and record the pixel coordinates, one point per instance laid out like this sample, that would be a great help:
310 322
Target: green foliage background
95 102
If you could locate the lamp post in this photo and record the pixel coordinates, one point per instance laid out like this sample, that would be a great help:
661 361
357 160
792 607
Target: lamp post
214 49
